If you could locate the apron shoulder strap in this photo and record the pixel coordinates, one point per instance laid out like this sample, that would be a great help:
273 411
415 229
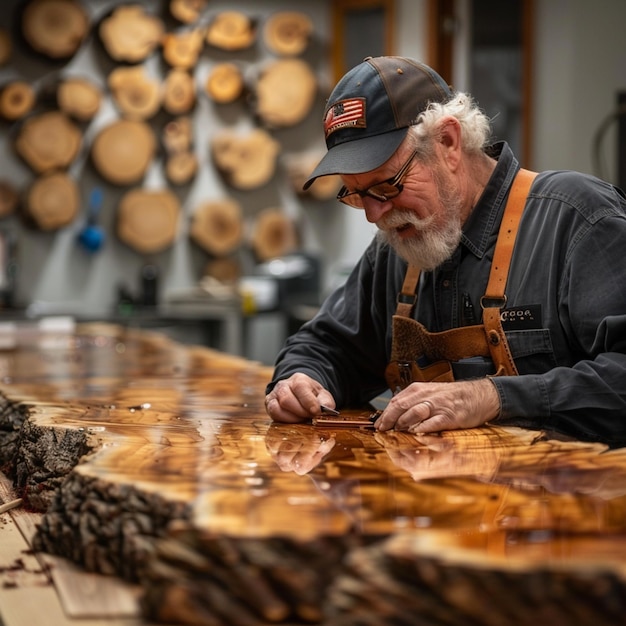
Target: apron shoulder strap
494 299
494 294
408 295
491 339
502 255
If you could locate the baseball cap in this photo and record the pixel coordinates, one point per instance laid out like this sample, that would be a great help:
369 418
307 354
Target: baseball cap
370 110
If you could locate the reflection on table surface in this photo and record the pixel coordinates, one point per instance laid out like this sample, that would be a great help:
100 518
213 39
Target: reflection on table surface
133 444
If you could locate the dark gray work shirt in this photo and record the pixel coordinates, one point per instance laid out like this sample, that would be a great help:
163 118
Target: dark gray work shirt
565 317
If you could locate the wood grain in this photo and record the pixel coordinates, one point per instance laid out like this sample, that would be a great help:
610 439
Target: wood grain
155 463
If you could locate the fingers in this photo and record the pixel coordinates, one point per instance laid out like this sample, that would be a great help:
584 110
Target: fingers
404 410
420 408
416 414
296 399
434 424
433 407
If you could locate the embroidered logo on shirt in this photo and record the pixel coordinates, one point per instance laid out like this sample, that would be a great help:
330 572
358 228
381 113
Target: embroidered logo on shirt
344 114
522 318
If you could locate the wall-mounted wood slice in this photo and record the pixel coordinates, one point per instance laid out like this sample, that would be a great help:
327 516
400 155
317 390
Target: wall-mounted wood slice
79 98
288 33
48 141
179 92
52 201
323 188
137 95
225 83
247 161
231 30
17 99
299 169
54 28
182 49
181 167
147 219
177 135
217 227
123 151
274 235
130 34
285 92
187 11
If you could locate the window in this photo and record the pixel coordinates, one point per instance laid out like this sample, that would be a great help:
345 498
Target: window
361 28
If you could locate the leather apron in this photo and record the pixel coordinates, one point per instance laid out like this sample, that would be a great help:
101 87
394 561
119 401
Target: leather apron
418 355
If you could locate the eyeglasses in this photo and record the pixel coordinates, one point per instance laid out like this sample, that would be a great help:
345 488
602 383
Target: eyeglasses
382 192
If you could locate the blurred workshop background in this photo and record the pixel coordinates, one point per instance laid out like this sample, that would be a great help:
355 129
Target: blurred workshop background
153 152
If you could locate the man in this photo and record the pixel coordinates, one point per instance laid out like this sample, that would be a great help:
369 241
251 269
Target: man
536 338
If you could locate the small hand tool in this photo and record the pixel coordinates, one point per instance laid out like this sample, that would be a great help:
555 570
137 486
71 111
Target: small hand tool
332 417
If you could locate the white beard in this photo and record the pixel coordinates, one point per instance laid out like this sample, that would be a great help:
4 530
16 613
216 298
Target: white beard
433 243
430 247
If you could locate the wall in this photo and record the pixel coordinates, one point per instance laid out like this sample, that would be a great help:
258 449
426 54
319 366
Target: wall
579 66
57 274
580 63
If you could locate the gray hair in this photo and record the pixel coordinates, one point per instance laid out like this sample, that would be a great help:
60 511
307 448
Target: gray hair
475 125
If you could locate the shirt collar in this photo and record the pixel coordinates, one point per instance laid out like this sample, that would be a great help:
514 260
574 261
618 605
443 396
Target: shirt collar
486 216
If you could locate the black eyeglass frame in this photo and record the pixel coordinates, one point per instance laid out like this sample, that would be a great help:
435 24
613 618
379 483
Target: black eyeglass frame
392 188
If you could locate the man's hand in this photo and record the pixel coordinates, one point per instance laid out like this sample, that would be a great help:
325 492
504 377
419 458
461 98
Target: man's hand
296 399
433 407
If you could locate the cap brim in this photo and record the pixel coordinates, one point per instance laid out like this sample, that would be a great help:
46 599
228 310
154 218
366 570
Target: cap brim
358 156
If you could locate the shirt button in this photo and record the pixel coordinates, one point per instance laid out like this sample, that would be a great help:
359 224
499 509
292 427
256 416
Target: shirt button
446 283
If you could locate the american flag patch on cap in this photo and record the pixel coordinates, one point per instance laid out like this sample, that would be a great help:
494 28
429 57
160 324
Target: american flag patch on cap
343 114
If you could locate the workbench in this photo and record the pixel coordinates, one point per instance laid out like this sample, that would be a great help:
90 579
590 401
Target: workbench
146 484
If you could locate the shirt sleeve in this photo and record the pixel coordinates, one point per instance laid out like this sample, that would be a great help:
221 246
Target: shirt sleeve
586 398
345 346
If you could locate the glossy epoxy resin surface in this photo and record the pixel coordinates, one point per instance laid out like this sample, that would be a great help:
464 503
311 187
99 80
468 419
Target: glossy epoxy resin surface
156 462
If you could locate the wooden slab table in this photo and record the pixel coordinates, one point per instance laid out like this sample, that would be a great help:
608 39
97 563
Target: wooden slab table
155 489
